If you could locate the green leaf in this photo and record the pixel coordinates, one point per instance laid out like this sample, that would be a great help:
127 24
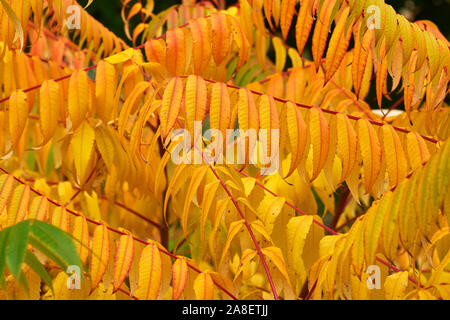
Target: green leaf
51 241
3 241
35 264
16 247
55 244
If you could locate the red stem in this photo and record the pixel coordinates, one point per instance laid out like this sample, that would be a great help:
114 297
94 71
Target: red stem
250 231
157 225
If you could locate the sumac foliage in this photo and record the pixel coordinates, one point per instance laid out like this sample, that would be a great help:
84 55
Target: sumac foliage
90 124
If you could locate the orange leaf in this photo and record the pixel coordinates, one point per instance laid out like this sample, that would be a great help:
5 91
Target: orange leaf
124 258
179 278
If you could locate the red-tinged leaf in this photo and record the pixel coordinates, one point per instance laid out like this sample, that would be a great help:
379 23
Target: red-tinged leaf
200 32
248 120
269 120
321 29
18 206
81 237
396 162
7 184
320 140
100 255
418 152
196 101
220 110
180 274
338 45
287 13
60 218
347 145
171 105
361 56
298 136
371 153
155 51
304 23
123 259
150 273
39 208
176 52
381 80
221 37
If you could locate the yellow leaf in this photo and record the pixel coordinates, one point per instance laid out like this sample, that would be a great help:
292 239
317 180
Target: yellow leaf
208 200
7 184
121 56
248 119
347 143
220 110
18 206
150 272
371 153
272 213
18 116
338 45
50 104
82 145
81 236
269 120
197 178
100 255
417 150
233 230
204 287
62 291
19 34
171 105
397 165
78 98
280 54
298 136
60 218
374 226
276 256
196 100
105 89
395 285
361 58
297 231
130 103
39 208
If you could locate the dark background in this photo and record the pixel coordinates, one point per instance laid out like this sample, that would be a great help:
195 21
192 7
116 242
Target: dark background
438 11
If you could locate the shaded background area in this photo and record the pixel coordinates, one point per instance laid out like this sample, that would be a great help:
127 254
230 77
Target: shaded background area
438 11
